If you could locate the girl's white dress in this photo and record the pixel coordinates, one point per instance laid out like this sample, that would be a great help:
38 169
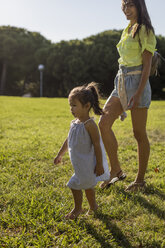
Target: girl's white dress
82 155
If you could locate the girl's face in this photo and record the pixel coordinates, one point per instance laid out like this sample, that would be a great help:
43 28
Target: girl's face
77 109
130 10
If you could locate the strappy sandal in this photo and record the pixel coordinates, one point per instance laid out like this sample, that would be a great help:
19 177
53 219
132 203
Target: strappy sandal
104 184
134 187
119 176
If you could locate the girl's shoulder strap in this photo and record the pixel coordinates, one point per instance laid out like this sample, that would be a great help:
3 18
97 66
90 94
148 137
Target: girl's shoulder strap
72 122
90 119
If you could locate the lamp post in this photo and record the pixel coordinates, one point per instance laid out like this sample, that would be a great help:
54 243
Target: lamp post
41 68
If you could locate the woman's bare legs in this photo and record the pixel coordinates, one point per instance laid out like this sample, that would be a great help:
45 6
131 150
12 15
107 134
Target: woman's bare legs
139 120
112 110
78 197
90 194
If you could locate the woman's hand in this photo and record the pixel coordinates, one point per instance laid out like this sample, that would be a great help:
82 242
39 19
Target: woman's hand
134 101
146 60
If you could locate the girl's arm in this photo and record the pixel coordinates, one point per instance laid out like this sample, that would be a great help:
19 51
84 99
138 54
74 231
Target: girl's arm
146 60
95 137
61 152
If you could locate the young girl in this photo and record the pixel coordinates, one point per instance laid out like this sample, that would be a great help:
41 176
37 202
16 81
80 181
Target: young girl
85 148
132 90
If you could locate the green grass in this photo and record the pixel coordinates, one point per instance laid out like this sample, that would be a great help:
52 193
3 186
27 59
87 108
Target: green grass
33 195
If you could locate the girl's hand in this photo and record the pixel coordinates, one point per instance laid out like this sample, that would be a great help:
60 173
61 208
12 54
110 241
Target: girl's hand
57 159
99 170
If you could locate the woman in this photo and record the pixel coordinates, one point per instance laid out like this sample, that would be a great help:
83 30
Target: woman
132 90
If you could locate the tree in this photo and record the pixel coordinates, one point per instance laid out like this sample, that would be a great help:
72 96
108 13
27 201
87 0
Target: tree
8 50
17 54
67 63
157 82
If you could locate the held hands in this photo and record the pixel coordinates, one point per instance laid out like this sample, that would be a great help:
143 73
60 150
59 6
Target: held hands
99 170
57 159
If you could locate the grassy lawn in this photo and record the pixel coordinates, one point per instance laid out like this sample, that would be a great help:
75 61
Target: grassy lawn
33 195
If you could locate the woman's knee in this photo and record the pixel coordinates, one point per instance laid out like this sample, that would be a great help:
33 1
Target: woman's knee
104 122
139 135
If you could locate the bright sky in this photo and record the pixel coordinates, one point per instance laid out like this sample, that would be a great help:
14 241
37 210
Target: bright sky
60 20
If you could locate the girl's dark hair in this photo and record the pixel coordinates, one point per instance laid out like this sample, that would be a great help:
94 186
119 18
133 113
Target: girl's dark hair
143 16
88 93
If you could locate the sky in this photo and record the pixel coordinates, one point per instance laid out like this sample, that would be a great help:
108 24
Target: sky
67 20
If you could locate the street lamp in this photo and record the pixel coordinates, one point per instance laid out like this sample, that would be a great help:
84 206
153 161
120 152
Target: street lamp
41 68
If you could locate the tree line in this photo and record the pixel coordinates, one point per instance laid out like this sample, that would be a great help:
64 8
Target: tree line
67 63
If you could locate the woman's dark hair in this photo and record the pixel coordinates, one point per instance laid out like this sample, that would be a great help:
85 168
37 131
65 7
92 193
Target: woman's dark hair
88 93
143 16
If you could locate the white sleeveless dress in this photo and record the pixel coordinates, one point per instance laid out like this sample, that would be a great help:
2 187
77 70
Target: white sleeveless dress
83 159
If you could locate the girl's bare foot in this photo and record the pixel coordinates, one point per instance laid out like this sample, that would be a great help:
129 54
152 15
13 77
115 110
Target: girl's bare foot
92 211
73 214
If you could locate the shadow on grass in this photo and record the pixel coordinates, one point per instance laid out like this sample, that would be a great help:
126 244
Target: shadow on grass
94 233
117 235
151 190
150 207
136 197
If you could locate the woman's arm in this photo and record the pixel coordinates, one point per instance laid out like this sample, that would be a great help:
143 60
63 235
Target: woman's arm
146 60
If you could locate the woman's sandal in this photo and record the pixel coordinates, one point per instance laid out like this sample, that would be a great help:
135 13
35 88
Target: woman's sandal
104 184
119 176
134 187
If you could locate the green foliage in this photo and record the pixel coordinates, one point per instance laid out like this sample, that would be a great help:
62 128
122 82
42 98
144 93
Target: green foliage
67 63
77 62
33 196
157 83
18 56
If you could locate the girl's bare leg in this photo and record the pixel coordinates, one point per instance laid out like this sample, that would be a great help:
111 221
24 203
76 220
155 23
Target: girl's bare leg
139 120
90 194
78 197
112 110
